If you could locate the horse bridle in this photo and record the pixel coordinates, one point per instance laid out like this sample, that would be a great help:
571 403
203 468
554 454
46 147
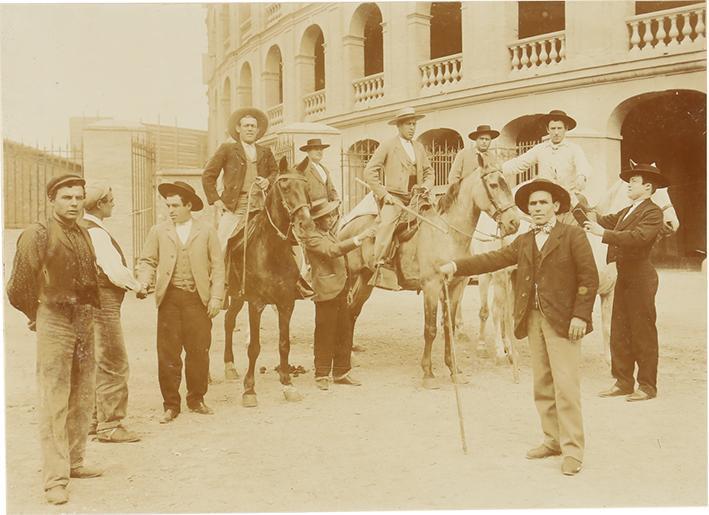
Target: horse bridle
499 210
289 209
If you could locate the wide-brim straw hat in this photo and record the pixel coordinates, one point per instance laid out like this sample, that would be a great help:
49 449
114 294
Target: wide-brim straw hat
312 144
407 113
649 172
558 194
556 114
167 189
483 129
322 206
236 116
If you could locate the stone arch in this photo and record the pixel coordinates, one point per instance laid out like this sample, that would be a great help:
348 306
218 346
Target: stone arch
273 77
312 55
366 24
442 145
244 96
446 32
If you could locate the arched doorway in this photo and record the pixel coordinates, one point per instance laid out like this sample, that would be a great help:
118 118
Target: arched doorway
353 163
517 137
446 29
243 92
669 129
273 77
442 145
311 64
364 49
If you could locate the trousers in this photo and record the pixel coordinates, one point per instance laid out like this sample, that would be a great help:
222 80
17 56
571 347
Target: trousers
333 337
633 329
557 386
183 323
388 216
65 379
111 361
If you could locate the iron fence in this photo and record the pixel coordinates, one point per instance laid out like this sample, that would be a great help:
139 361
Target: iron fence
143 189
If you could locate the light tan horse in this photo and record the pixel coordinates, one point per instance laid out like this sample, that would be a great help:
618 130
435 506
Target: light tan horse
418 258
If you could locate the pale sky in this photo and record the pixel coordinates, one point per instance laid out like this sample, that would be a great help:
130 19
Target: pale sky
130 62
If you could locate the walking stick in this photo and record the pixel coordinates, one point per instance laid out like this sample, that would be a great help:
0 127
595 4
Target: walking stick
450 340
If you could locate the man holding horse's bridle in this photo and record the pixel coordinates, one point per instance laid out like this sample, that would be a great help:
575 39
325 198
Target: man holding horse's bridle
248 170
559 160
404 165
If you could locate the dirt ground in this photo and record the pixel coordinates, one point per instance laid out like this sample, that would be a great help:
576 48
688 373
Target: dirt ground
387 445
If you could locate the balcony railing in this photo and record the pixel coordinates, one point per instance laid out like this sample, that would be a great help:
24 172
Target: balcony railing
538 52
245 29
662 31
273 12
275 115
368 88
442 71
314 104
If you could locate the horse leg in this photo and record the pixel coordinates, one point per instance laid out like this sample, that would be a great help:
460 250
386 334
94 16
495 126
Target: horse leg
431 296
285 310
235 305
358 295
456 293
249 397
502 352
484 288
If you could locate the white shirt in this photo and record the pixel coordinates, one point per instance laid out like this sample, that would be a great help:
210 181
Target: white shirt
560 163
249 150
183 230
108 258
409 148
320 171
541 237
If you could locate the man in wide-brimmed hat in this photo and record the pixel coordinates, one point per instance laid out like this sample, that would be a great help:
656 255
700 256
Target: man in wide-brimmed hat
244 164
184 258
54 283
405 167
333 328
114 279
320 183
630 234
561 161
554 291
468 159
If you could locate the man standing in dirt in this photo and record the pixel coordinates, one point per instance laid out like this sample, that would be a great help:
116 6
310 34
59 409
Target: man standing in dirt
555 290
114 279
54 283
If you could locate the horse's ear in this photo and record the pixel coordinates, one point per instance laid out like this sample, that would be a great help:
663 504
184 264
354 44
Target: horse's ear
302 165
283 164
633 164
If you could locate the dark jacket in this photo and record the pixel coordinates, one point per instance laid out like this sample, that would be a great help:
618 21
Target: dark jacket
318 189
567 280
45 270
631 239
230 158
329 268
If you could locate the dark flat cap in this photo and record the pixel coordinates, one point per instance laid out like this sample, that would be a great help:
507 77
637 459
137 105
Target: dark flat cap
64 180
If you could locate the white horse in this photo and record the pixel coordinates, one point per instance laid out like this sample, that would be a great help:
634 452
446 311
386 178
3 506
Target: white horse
500 285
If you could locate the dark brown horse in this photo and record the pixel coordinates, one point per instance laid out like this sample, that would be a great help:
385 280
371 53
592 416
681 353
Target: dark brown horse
271 274
484 189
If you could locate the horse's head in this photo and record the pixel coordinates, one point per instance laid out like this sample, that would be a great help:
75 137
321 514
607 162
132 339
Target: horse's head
493 195
291 188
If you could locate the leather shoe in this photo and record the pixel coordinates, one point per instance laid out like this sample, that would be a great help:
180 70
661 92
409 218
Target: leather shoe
202 409
570 466
323 383
168 416
118 434
639 395
613 391
540 452
84 472
347 379
56 495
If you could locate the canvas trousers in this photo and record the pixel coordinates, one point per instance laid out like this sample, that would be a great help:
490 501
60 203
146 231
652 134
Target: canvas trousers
557 386
65 382
111 361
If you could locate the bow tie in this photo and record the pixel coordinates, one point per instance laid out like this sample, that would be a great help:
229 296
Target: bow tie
546 228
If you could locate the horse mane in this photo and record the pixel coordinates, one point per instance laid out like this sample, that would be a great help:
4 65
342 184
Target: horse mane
449 198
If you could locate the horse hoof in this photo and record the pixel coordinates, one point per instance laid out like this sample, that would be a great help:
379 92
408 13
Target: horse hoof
500 359
292 394
430 383
230 373
459 379
249 400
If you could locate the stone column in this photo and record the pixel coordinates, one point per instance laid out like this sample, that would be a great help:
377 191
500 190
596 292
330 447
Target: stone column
305 79
418 45
353 54
488 27
596 32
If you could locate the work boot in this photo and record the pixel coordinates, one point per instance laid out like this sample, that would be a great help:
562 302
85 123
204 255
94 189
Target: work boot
56 495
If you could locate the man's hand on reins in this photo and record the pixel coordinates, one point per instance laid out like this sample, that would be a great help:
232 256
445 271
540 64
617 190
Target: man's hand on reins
261 182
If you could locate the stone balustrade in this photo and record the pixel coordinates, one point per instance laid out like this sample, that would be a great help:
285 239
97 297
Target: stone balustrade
442 71
368 88
538 52
275 115
664 31
273 12
314 104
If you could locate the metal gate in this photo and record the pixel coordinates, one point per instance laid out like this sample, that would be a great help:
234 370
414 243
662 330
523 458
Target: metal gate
441 158
283 147
143 186
353 162
507 153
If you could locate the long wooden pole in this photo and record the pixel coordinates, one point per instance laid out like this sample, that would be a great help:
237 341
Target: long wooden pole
450 340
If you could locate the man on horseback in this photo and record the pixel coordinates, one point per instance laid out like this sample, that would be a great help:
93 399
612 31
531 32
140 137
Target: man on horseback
398 169
555 290
244 164
559 160
466 160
